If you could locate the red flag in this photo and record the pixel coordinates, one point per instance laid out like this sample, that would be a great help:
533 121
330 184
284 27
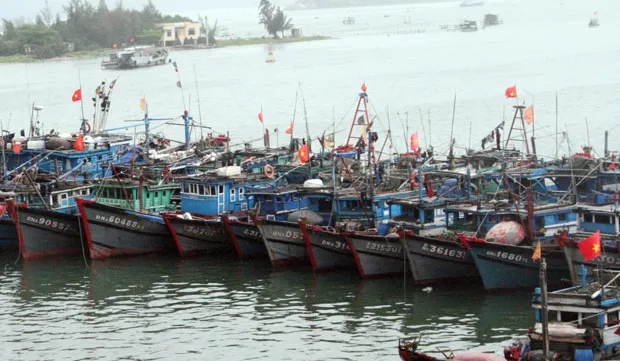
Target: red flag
260 116
304 154
430 190
79 143
415 141
77 95
529 114
511 92
132 40
114 45
290 129
591 247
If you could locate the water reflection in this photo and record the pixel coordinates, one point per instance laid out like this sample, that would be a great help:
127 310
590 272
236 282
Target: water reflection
166 307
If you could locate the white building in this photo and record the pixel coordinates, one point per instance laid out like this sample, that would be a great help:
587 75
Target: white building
180 33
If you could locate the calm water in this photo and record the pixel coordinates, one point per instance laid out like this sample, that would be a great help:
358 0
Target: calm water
166 308
163 308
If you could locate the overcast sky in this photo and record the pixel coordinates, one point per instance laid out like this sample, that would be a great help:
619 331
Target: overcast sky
28 8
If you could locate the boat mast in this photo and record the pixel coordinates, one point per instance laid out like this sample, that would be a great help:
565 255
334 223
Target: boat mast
544 308
451 154
308 141
198 94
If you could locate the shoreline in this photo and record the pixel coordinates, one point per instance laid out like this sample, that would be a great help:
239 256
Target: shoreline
224 43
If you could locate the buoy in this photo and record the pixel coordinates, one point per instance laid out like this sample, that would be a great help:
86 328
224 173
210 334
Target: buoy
414 178
269 171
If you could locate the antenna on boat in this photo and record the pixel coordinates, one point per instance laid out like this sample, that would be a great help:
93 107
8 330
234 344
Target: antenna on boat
3 152
588 131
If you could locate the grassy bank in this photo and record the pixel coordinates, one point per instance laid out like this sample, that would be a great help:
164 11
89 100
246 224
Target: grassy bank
20 58
267 40
220 44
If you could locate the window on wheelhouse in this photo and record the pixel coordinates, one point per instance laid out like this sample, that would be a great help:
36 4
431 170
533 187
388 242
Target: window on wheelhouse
241 193
232 195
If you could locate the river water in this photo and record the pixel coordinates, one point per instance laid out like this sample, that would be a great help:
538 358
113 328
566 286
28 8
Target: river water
165 308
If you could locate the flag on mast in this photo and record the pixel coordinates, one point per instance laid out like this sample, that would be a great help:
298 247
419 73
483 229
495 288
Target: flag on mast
591 247
77 95
511 92
537 252
529 114
290 129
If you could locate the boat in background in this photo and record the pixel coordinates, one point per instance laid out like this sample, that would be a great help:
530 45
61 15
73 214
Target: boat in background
135 57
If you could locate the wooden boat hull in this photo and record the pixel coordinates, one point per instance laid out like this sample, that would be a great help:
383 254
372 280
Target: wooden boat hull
328 250
8 233
113 232
198 236
44 233
377 256
434 260
246 237
609 259
284 242
508 267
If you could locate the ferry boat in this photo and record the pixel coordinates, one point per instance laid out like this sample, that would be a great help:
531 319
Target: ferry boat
135 57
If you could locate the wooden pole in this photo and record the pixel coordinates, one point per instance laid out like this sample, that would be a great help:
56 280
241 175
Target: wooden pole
544 309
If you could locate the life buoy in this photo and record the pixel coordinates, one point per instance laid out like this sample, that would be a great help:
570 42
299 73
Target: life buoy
86 127
414 178
269 171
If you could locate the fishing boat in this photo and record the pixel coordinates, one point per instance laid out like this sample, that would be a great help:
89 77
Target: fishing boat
279 227
135 57
218 200
503 262
123 219
582 322
197 235
245 236
50 226
592 218
112 231
43 233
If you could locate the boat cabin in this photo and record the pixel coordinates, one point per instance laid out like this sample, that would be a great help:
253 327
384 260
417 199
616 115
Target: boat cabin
584 322
214 195
276 203
594 218
151 198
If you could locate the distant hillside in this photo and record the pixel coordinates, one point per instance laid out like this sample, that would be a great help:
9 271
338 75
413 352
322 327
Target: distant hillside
324 4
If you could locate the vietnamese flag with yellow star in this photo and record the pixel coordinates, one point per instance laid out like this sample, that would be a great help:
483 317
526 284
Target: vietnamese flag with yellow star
591 247
304 153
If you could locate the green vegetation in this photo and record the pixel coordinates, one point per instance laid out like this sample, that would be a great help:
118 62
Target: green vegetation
86 28
273 18
256 41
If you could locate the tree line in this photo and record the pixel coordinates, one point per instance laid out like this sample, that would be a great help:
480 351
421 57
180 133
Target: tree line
89 27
